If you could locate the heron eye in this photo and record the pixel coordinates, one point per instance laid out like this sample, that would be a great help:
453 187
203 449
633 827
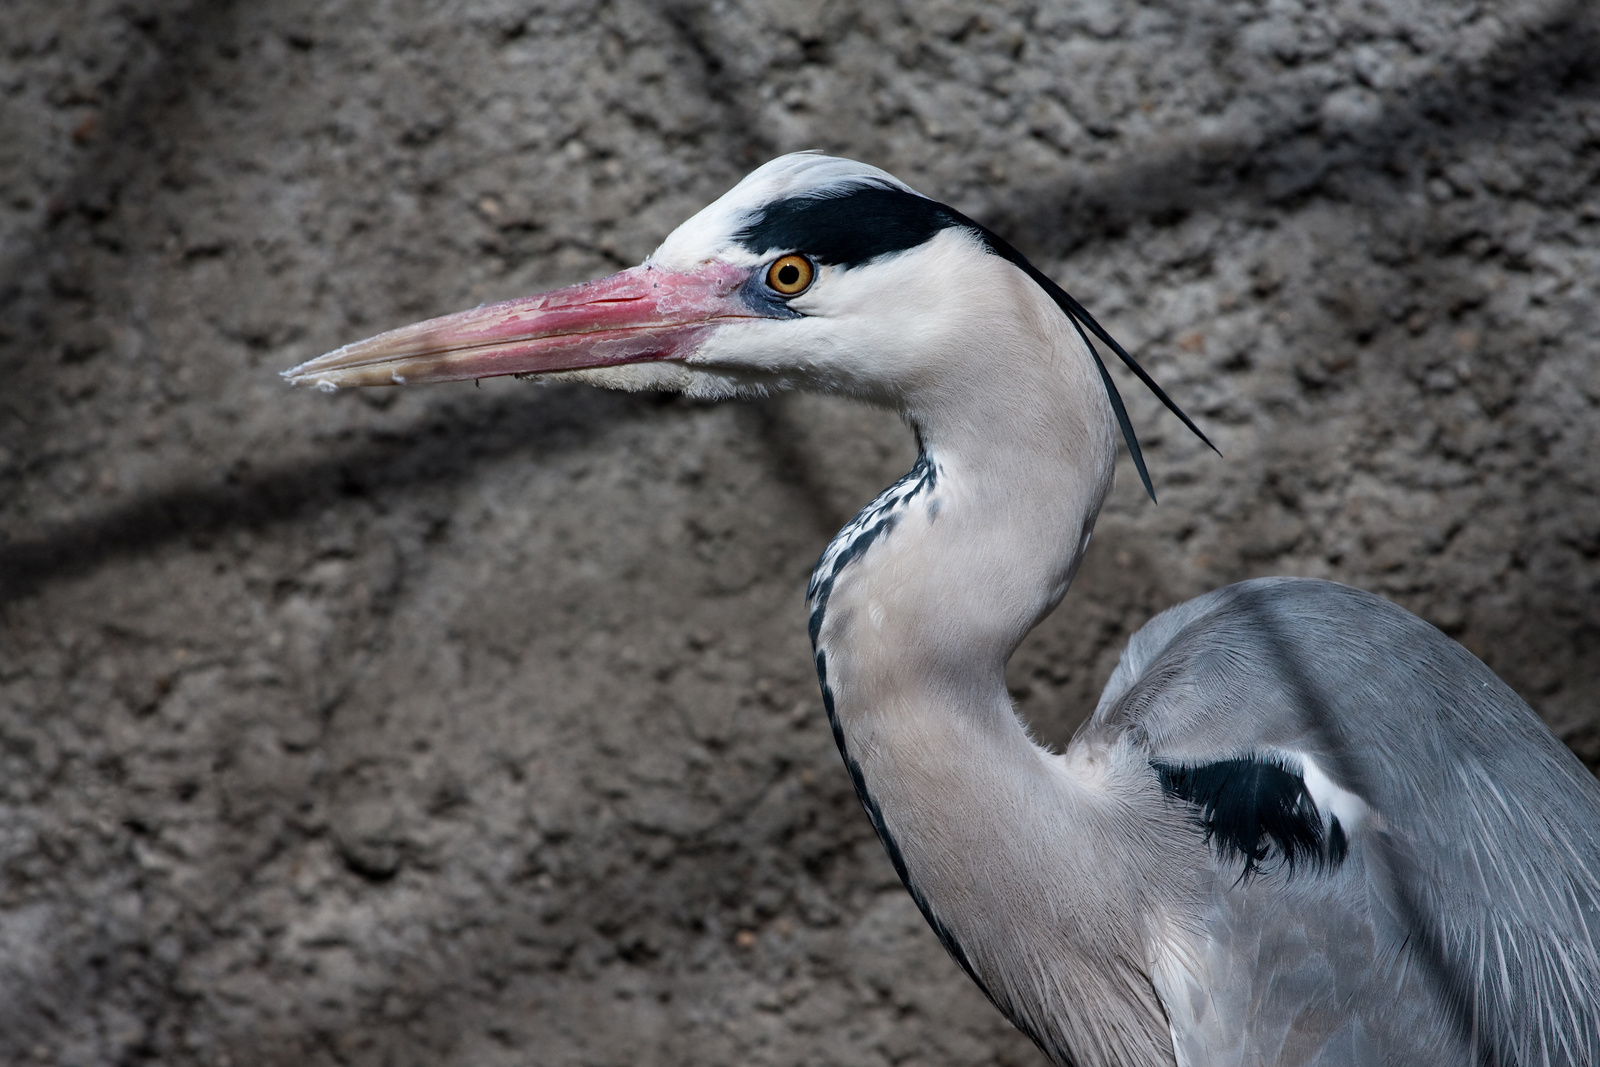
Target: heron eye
791 275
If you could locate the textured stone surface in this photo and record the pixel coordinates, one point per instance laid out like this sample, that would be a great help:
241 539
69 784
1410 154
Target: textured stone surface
477 725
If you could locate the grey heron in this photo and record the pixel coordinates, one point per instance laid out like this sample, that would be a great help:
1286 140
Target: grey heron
1302 826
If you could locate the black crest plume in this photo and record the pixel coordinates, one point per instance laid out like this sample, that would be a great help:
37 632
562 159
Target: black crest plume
858 222
1081 321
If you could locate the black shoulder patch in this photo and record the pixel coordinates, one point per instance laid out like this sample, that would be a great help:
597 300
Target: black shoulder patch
1253 808
847 226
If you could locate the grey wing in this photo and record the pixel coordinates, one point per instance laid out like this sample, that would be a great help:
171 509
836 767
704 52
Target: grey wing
1404 862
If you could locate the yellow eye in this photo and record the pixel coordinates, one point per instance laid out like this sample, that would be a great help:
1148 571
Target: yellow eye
791 275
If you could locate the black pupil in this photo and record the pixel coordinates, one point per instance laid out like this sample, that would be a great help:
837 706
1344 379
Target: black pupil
788 274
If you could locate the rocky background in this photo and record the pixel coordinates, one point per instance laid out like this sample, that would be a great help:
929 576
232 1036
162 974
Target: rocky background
476 725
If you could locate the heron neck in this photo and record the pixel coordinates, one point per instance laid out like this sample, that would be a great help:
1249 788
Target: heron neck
916 607
921 600
938 580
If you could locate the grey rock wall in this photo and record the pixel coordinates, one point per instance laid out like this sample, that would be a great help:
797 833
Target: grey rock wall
476 726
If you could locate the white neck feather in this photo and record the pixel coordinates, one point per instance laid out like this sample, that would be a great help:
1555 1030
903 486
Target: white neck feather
916 607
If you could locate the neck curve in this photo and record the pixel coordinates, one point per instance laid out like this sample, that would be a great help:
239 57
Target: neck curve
916 606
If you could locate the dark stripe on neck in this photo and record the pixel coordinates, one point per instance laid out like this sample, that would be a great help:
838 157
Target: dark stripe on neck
870 523
877 520
897 859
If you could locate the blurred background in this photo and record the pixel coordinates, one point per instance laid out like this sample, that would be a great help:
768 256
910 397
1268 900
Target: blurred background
477 725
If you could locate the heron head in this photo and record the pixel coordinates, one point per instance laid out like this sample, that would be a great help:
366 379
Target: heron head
813 272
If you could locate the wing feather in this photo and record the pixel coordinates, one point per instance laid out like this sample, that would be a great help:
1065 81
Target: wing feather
1464 922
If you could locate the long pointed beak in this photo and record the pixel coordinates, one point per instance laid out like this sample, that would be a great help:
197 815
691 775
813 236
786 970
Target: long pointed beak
644 313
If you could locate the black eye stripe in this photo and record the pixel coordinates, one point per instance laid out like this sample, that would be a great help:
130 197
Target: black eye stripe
858 222
849 226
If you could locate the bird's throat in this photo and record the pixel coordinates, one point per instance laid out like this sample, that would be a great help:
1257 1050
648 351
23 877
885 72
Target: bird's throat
916 606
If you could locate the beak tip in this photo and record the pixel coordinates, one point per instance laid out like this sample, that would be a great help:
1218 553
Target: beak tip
637 315
297 376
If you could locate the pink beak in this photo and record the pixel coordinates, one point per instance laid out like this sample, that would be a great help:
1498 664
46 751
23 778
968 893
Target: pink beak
644 313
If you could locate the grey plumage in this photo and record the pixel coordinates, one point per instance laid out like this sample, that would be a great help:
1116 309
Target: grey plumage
1487 860
1301 827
